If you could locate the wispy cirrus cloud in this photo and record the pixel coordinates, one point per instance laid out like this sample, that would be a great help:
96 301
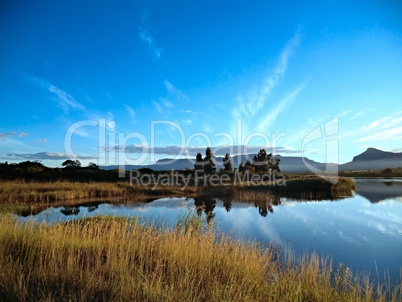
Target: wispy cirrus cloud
158 107
384 129
383 135
252 109
358 114
175 92
250 106
149 40
131 113
42 141
270 118
65 100
164 104
167 103
186 122
6 135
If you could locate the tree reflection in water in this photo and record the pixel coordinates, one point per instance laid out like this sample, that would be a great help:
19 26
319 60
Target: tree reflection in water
74 210
266 205
206 203
264 201
70 210
227 203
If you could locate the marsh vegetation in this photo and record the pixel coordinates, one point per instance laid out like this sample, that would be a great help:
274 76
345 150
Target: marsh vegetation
108 259
120 259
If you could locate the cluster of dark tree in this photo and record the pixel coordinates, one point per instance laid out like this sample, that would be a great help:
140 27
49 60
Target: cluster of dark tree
262 163
34 170
207 164
70 163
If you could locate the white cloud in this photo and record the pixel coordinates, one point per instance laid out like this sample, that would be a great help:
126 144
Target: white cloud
6 135
257 101
174 91
373 124
390 134
43 141
131 113
43 155
149 40
253 108
186 122
393 121
158 107
386 128
167 103
270 118
357 115
65 100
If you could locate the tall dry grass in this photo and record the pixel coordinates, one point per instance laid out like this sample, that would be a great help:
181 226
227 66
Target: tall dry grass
28 192
114 260
46 192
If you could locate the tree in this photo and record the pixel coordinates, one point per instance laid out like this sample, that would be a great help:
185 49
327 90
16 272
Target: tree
199 164
248 166
241 167
93 165
209 165
261 161
274 164
69 163
227 163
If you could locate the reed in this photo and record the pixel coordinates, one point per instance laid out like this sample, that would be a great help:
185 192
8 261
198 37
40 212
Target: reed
28 192
45 192
105 259
316 187
49 192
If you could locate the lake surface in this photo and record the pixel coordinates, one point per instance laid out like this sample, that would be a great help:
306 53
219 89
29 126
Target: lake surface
364 232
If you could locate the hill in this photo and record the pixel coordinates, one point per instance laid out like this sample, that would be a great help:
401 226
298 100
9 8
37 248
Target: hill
373 159
368 160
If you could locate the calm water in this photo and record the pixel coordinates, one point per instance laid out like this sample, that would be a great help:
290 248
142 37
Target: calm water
364 232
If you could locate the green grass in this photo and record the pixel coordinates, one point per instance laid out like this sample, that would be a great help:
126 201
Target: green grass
105 259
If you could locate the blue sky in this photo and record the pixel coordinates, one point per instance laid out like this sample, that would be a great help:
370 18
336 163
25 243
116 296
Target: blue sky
135 81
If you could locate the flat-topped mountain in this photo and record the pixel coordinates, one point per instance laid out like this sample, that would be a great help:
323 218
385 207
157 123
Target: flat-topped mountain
375 154
373 159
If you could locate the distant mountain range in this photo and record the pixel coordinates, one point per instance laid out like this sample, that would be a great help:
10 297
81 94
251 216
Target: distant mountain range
370 159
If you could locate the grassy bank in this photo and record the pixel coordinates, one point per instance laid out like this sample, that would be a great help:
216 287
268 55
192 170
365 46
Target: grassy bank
112 259
389 172
306 187
315 187
29 196
20 192
26 192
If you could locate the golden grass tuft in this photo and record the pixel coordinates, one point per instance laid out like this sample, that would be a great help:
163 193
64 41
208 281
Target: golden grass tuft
105 259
